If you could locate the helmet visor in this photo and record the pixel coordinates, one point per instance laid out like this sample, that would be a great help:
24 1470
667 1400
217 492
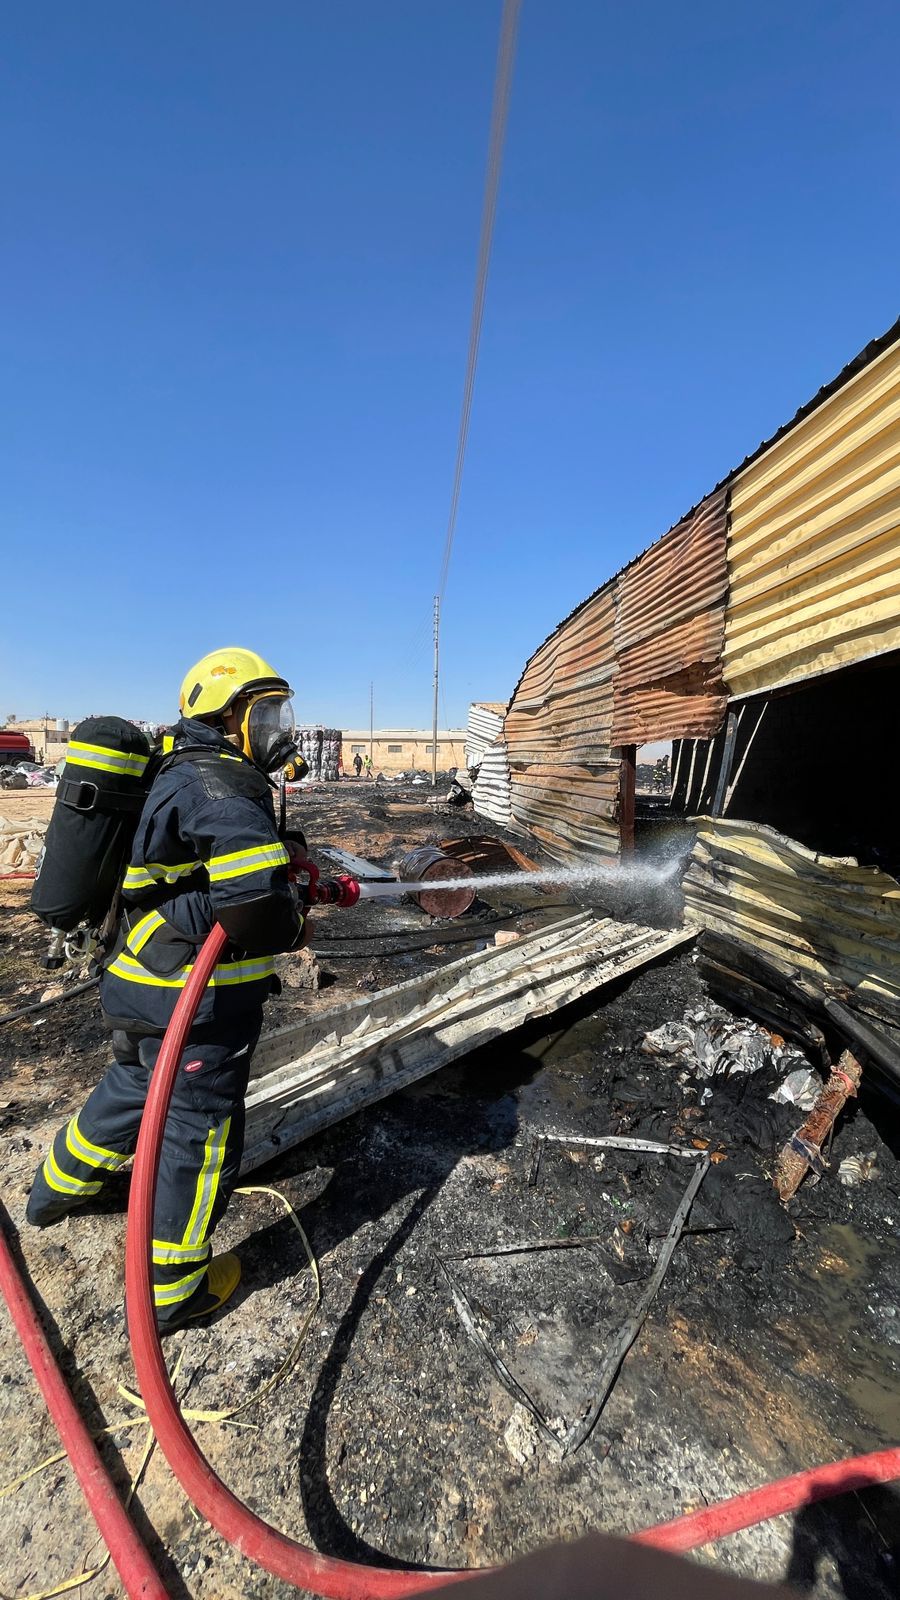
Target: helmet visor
270 731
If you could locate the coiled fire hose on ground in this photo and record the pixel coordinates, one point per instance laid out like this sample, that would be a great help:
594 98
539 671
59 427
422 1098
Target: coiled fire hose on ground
274 1551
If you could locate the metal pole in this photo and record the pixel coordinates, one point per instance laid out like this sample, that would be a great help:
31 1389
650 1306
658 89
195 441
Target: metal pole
372 724
434 720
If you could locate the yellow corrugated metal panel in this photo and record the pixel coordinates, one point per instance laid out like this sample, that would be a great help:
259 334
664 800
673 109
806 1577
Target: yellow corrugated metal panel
819 912
814 550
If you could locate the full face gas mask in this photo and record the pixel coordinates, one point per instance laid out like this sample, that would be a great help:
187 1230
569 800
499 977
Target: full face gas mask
268 731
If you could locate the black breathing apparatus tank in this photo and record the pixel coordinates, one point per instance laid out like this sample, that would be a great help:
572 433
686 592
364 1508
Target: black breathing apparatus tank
105 781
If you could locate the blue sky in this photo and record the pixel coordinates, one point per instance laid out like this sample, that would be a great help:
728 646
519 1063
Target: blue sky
238 256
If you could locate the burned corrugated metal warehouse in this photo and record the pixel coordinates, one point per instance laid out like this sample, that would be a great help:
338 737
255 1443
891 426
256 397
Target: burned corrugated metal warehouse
761 637
600 1177
663 1226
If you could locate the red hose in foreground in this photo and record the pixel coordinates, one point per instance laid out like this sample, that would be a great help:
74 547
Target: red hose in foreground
773 1500
282 1556
132 1561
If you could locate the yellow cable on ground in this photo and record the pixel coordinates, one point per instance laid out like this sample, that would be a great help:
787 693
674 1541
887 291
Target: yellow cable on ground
63 1455
278 1377
79 1578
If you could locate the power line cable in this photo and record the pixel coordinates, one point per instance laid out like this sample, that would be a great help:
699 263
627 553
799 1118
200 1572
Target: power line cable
499 112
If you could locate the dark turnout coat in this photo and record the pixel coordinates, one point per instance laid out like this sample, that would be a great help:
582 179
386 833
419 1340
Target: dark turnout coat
206 849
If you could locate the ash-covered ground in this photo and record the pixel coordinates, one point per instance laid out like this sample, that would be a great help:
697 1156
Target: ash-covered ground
773 1343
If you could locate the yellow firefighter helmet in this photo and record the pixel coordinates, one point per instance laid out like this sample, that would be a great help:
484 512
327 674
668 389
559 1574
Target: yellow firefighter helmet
216 681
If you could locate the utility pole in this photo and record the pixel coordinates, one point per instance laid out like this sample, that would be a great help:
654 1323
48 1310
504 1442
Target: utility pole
434 723
372 724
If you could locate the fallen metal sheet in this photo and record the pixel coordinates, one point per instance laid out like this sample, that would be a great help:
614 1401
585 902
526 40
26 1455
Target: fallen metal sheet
579 1431
364 871
323 1069
824 914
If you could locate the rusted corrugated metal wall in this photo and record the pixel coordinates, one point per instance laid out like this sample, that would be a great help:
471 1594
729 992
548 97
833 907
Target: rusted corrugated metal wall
814 552
669 628
807 580
564 779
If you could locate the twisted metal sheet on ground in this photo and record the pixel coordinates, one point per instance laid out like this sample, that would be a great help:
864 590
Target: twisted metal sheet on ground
669 628
314 1073
814 551
564 780
822 913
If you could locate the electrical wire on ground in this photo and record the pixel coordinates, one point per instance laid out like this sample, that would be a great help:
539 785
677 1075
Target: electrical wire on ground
55 1000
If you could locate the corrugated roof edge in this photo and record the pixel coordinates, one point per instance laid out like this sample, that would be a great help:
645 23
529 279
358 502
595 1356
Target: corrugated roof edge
863 359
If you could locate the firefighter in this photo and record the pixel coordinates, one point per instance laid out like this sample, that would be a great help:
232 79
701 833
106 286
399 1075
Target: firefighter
206 849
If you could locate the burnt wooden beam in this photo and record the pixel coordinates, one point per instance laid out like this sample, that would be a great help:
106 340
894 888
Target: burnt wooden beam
731 731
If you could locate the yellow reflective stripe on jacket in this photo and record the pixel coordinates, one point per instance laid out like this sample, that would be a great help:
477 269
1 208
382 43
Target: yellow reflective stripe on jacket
229 972
143 930
170 1294
239 862
167 1254
93 1155
207 1184
156 872
102 759
63 1184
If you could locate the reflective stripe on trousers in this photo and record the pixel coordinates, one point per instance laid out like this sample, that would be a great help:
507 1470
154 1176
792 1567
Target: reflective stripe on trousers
201 1151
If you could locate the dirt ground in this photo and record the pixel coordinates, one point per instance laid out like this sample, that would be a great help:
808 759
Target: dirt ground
773 1344
20 805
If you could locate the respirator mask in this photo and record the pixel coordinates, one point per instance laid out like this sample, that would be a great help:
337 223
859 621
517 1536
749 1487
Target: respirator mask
268 731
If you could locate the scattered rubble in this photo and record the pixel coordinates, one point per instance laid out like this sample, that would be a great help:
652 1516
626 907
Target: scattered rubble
712 1042
772 1343
521 1435
299 970
858 1169
800 1088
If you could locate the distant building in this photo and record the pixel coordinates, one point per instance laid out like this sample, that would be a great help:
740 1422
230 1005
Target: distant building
405 749
48 735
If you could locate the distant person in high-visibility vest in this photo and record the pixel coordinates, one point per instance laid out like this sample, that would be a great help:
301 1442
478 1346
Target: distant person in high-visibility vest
367 766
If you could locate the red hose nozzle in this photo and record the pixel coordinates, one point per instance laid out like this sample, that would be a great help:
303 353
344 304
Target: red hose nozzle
340 891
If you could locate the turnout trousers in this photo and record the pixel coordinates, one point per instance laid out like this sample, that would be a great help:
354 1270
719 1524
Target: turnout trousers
201 1152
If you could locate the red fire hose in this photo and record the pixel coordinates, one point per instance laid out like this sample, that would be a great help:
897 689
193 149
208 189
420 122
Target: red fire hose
275 1551
135 1568
773 1500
